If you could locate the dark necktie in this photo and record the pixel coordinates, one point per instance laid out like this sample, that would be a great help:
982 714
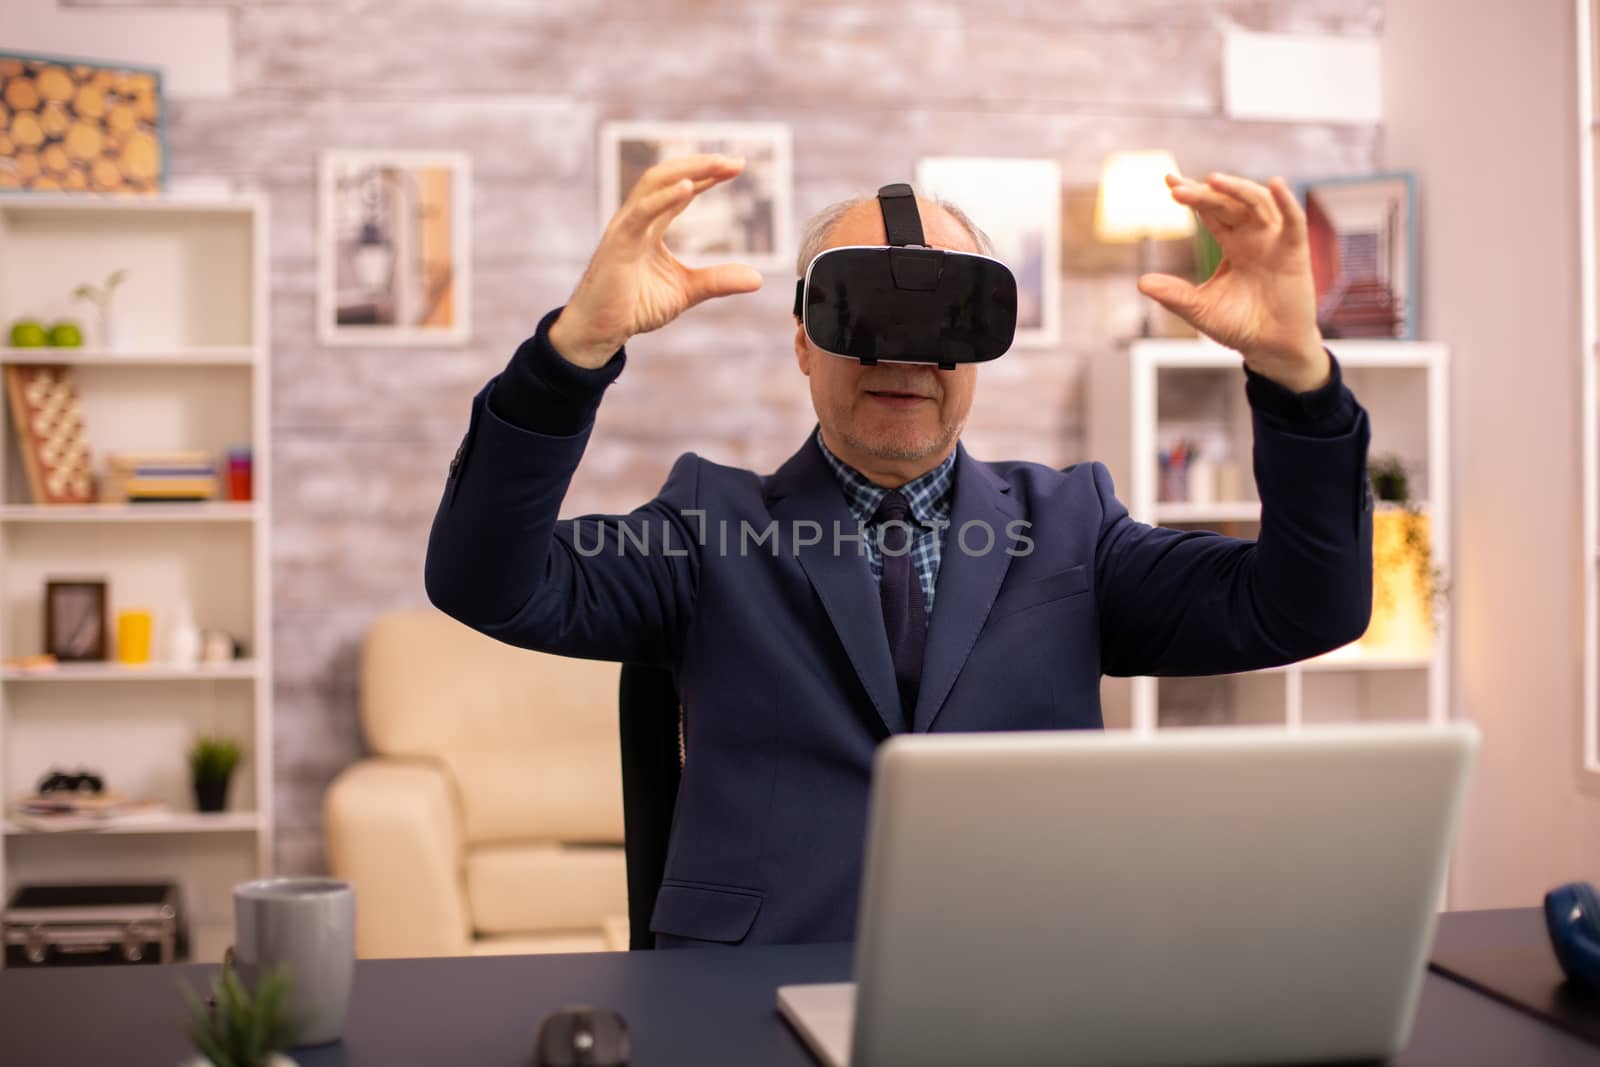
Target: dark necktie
901 593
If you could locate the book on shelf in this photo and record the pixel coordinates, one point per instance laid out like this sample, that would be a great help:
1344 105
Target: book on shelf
49 812
135 460
137 477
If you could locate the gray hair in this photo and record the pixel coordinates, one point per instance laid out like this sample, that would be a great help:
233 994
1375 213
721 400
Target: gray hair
819 226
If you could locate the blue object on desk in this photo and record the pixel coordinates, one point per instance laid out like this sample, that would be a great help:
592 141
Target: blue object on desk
1572 915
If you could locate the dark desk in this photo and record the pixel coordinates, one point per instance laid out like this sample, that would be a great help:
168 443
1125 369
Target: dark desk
705 1008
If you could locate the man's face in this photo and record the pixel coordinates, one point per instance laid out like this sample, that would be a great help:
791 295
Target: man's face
892 421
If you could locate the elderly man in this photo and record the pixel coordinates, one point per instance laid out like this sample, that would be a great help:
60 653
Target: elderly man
801 631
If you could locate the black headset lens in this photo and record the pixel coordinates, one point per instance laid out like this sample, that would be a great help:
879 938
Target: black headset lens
906 302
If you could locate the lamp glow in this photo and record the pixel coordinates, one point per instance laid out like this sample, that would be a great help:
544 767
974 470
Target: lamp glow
1134 201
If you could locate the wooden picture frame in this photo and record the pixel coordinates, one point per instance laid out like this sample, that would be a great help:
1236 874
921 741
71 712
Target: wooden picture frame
75 620
82 125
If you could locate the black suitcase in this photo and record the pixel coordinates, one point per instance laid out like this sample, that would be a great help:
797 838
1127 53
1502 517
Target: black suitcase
89 924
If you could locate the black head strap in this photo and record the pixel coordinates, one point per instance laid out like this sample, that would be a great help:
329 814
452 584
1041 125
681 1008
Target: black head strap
901 222
900 218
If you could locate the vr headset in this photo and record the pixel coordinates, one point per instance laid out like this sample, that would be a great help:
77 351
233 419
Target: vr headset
905 302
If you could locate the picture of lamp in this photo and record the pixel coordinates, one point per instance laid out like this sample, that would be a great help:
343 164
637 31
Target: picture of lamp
394 255
384 289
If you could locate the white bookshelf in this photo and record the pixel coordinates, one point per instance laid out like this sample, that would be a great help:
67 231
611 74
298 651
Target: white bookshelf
220 511
181 822
1158 389
190 372
237 670
198 356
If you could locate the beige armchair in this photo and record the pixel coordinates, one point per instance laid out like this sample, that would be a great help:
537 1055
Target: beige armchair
490 818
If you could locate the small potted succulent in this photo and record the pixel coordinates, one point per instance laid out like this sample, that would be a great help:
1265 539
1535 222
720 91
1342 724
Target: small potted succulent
211 764
238 1027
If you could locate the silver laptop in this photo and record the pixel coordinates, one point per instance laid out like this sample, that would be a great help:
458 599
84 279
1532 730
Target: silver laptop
1193 897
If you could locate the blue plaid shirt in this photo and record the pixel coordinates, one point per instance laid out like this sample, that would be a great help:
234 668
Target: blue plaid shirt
929 498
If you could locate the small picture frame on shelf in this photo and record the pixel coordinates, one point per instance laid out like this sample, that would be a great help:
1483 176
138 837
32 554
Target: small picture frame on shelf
75 619
1363 236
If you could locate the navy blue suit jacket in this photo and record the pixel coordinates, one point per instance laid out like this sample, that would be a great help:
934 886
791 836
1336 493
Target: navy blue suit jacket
780 654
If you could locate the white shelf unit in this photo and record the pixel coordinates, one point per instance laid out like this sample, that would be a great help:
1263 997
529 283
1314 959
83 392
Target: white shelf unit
190 372
1169 387
220 511
190 356
179 822
242 669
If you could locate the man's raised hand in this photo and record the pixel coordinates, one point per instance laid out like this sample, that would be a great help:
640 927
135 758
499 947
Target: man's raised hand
633 284
1262 301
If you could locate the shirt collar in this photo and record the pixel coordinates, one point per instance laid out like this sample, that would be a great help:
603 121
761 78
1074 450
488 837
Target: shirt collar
928 495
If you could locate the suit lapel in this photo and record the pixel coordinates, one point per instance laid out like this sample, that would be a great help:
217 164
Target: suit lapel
968 582
804 490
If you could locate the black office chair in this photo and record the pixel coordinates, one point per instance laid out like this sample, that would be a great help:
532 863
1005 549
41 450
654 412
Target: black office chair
651 723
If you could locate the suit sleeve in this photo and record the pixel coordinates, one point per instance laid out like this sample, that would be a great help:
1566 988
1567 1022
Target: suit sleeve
616 587
1178 602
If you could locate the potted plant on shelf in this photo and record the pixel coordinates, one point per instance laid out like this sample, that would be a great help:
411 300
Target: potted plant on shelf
238 1027
100 297
1407 589
211 764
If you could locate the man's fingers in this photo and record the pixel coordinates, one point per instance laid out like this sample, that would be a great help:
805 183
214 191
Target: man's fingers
663 218
695 168
1175 294
1258 199
1294 216
725 279
639 215
634 222
1208 201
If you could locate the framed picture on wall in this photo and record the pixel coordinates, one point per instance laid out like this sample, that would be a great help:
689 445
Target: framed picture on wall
748 220
394 259
1017 202
75 620
1363 234
81 125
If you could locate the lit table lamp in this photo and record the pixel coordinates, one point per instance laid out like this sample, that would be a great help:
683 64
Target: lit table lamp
1136 205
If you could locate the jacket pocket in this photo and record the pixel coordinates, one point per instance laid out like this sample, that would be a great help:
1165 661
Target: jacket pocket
1058 586
705 913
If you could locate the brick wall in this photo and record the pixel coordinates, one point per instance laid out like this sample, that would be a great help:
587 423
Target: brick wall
363 436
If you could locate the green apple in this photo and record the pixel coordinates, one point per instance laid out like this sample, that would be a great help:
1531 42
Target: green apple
66 334
28 333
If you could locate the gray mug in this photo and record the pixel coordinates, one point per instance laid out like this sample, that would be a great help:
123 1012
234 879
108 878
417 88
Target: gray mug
308 927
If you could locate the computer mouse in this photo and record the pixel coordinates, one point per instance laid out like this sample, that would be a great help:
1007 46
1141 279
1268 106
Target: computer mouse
1572 915
581 1036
